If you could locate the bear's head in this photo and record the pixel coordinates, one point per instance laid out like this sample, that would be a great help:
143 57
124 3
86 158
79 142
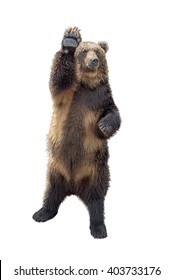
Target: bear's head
91 63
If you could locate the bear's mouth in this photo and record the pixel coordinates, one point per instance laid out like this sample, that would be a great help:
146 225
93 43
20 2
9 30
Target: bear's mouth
91 67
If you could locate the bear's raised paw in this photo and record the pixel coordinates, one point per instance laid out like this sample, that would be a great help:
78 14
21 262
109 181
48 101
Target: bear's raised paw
71 39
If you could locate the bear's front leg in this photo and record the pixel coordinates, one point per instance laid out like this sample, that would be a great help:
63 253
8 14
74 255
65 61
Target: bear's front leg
109 124
63 72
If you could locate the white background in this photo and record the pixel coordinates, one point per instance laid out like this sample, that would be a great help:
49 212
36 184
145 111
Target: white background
139 204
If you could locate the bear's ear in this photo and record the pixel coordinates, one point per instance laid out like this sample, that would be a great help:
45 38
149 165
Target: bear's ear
104 45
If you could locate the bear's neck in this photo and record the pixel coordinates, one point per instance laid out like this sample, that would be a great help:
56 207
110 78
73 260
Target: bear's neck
92 79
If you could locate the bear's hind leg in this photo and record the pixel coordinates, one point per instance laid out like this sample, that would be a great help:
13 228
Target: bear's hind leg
95 205
54 195
96 213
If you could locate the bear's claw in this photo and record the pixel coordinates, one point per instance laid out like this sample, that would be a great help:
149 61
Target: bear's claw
103 130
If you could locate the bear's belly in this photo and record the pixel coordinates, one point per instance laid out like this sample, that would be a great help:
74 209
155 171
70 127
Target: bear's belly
74 143
78 157
74 164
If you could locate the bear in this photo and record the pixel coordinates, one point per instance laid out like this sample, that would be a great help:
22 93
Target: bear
84 118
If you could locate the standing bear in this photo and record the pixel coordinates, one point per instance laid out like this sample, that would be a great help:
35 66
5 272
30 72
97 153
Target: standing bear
84 118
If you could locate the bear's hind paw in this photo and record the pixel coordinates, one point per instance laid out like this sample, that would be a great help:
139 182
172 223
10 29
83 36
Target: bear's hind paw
98 231
44 215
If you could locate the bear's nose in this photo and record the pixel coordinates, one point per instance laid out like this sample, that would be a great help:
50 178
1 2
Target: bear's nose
94 61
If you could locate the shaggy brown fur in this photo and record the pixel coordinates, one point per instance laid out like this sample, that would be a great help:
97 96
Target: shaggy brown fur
84 117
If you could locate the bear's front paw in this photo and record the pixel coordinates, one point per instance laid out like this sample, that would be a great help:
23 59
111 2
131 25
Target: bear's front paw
108 125
71 39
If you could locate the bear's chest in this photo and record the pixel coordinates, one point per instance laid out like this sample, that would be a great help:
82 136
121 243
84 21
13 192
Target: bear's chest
81 118
75 118
90 99
84 112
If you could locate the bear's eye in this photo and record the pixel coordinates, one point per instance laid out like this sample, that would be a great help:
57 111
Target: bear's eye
84 51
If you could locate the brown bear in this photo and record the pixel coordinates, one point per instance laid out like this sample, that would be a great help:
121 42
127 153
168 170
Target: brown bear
84 117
